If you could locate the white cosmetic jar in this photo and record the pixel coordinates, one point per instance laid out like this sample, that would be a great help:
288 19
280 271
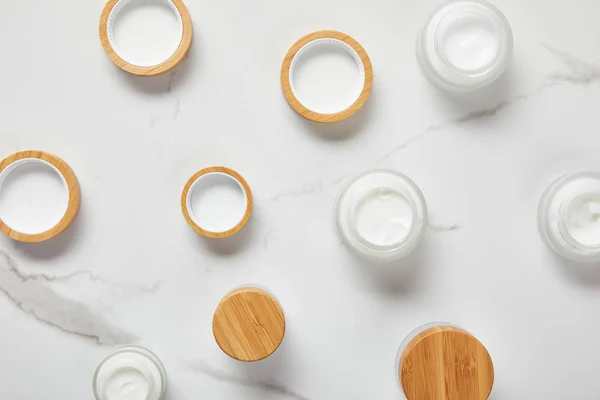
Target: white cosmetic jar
464 45
569 216
130 373
380 215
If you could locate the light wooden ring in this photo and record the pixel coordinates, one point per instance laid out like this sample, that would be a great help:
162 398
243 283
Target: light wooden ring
187 193
354 48
249 324
167 65
69 179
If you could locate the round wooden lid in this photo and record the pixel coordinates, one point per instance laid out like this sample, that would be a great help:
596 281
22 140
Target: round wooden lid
446 363
249 324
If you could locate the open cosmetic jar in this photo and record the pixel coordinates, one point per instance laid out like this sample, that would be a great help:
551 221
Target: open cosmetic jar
380 215
130 373
440 361
464 45
569 216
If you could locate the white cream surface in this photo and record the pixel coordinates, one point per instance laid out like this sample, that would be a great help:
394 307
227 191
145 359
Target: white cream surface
129 376
583 219
468 42
383 217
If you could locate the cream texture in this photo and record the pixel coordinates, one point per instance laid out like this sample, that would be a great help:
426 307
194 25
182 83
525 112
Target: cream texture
380 215
130 374
569 216
464 45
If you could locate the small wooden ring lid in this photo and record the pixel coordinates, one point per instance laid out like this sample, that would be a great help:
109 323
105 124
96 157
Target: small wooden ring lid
249 324
186 211
446 363
286 85
173 61
72 205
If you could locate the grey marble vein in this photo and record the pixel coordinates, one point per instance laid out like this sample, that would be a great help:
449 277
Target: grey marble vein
223 376
175 98
470 117
580 72
33 294
304 190
444 228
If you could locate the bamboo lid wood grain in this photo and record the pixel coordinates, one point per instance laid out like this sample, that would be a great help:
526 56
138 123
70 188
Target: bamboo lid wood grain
69 179
446 363
112 8
249 324
353 47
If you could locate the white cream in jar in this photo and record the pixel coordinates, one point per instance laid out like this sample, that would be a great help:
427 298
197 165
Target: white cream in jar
464 45
569 216
380 215
130 373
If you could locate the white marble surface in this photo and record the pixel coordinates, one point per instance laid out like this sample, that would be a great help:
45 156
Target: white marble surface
130 270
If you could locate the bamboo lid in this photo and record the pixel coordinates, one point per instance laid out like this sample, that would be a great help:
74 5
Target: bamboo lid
69 179
249 324
113 7
355 49
446 363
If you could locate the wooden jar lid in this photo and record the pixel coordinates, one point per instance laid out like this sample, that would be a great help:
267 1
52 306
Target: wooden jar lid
355 49
446 363
249 324
188 190
69 180
114 6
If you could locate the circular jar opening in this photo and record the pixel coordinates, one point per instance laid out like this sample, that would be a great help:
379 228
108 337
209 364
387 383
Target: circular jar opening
380 215
581 218
33 196
569 216
217 202
130 373
467 41
145 33
464 45
327 76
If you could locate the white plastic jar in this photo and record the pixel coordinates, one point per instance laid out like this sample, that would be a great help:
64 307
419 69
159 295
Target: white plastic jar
130 373
464 45
380 215
569 216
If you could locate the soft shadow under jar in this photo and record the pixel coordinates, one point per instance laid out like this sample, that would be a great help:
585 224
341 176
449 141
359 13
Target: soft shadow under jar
465 45
569 216
380 215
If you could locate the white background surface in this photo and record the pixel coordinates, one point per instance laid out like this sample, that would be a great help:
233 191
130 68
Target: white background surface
131 270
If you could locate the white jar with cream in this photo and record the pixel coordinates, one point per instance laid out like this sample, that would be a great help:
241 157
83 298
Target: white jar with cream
465 45
569 216
130 373
380 215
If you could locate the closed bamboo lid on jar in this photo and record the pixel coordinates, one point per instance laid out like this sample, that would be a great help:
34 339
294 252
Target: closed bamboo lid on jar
446 363
249 324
